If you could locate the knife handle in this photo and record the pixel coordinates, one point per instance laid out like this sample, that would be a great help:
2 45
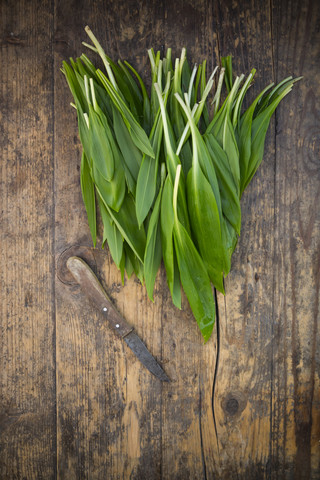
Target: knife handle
92 288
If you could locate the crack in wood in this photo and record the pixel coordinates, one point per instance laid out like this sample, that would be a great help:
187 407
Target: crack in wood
216 368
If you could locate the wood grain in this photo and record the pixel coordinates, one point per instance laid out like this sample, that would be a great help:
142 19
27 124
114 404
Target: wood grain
189 438
75 402
114 426
27 353
296 389
242 393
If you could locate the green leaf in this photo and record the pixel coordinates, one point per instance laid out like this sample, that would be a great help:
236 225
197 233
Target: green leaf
89 67
229 145
146 102
267 99
102 99
204 209
126 222
229 238
230 202
84 134
226 63
205 224
193 274
138 135
147 178
100 148
122 266
203 84
113 192
87 189
111 234
152 256
146 187
238 104
73 84
217 95
172 161
154 63
258 134
185 70
177 121
131 154
134 99
166 224
244 138
128 264
133 262
201 153
133 85
222 129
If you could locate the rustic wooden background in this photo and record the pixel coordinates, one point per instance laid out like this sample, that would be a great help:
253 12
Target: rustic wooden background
75 402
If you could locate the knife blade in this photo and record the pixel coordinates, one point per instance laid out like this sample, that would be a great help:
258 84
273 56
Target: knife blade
93 289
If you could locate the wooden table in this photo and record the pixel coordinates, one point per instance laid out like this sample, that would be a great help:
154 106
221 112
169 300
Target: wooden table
75 402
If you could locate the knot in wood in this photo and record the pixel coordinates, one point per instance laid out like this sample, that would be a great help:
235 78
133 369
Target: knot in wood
232 406
234 403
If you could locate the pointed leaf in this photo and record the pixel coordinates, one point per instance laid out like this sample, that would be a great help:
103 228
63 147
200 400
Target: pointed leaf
166 224
205 224
193 274
87 189
111 234
153 255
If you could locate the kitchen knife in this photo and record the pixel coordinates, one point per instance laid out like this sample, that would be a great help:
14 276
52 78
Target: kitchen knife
92 288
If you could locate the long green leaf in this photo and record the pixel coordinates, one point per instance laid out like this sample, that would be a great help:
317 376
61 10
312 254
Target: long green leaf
152 256
203 208
172 161
138 135
205 223
111 234
146 101
131 154
244 138
100 148
230 202
258 131
147 178
127 224
226 63
168 253
193 274
87 189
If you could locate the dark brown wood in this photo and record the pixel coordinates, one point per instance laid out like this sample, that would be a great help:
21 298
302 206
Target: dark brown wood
75 402
295 399
188 432
114 426
243 386
27 319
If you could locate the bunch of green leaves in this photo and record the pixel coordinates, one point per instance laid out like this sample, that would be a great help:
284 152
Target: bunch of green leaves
167 168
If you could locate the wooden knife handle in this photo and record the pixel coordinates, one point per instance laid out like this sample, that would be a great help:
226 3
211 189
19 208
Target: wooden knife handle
92 288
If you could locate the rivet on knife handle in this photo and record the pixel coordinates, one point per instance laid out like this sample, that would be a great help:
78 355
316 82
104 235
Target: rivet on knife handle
92 288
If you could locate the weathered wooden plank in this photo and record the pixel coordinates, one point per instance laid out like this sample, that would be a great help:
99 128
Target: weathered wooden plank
134 427
188 437
243 384
296 392
109 405
114 419
27 353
